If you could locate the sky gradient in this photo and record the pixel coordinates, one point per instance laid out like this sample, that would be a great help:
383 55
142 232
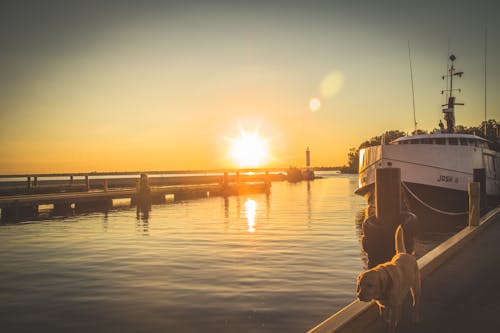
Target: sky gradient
158 85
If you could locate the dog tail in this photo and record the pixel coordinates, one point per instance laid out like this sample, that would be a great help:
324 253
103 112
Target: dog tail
399 240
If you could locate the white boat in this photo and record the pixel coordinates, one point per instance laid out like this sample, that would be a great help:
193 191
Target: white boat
435 168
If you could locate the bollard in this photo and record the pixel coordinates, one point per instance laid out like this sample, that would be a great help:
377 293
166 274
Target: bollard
479 176
474 203
378 230
388 196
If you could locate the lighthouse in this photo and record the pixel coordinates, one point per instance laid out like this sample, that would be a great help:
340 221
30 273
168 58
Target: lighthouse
308 158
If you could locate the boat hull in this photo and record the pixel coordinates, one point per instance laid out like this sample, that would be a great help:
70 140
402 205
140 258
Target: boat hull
437 208
434 178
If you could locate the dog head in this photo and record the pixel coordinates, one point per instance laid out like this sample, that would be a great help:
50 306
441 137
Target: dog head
371 285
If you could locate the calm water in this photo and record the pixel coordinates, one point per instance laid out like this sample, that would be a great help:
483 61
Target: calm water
258 263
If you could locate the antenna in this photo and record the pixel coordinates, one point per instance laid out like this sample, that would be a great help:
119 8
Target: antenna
449 111
412 88
485 73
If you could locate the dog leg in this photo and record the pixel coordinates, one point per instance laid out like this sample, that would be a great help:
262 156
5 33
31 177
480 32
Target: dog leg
416 296
395 317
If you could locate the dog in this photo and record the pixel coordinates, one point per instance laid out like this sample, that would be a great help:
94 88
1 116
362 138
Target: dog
388 284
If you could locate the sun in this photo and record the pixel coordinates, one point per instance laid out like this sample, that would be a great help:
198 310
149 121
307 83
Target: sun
249 150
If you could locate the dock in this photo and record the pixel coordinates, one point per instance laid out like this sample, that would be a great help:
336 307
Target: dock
460 288
462 295
26 205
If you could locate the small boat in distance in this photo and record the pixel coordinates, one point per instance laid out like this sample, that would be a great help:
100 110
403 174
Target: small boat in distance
435 168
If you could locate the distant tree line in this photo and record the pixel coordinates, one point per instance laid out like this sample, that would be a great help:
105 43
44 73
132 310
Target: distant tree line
492 135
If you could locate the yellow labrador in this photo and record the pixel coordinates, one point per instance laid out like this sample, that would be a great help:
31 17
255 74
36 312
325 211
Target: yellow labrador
389 283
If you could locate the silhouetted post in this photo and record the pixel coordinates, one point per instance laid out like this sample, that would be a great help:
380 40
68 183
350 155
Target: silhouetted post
388 196
87 182
479 176
35 181
71 180
29 183
105 185
267 180
474 203
379 230
144 193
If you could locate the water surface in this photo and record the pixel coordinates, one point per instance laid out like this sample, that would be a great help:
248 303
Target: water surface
257 263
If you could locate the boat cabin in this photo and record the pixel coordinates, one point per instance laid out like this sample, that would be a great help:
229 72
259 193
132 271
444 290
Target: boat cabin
443 139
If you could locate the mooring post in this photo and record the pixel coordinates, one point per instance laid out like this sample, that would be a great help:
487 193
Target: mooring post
35 181
379 230
144 194
479 176
29 183
71 180
474 203
388 196
87 182
267 180
105 185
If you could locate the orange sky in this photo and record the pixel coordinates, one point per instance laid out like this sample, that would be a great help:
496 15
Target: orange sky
120 87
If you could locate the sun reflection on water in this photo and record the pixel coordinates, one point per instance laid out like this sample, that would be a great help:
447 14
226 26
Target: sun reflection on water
251 208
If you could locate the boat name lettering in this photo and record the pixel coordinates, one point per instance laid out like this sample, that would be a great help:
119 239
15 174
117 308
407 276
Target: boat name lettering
446 179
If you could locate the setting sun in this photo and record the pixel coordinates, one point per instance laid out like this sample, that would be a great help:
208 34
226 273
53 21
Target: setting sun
249 150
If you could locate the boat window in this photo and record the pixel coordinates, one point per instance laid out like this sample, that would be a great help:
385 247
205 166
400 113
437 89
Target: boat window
415 141
427 141
463 142
440 141
453 141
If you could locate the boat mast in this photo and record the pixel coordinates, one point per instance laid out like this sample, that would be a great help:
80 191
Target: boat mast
449 111
412 90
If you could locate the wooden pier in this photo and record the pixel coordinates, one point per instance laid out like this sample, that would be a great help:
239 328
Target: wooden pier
459 279
26 205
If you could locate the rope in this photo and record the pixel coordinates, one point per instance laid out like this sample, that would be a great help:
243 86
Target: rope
429 206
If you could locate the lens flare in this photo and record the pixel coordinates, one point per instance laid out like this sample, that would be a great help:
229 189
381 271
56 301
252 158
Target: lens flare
314 104
332 84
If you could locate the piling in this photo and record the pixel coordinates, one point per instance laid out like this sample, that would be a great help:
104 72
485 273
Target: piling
35 181
267 181
105 185
474 203
144 199
87 183
388 195
71 180
378 230
479 176
29 183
